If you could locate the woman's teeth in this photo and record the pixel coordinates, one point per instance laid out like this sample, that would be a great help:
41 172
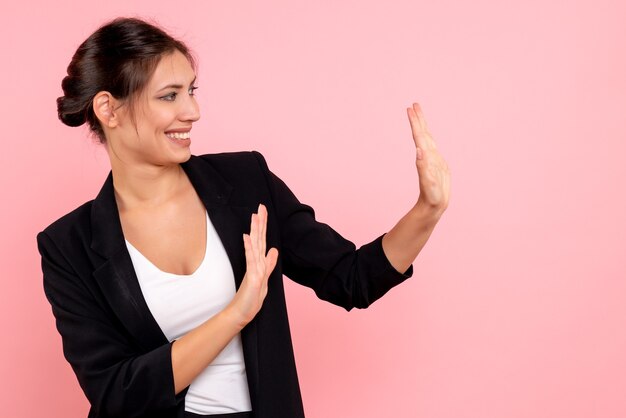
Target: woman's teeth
178 135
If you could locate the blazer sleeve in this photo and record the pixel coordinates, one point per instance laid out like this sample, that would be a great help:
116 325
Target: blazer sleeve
315 255
116 376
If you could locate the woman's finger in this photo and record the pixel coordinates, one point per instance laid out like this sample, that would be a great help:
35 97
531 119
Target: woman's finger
419 129
257 237
272 258
247 245
263 210
422 120
414 125
254 233
420 117
419 135
260 257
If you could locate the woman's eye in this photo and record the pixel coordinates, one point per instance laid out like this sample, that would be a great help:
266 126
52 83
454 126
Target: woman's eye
170 97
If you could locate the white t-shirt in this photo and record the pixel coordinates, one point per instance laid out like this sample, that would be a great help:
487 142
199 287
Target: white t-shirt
180 303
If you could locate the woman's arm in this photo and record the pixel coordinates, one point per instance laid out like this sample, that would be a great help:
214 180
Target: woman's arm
406 239
315 255
194 351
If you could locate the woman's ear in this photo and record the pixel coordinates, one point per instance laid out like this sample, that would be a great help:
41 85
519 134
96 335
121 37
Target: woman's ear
105 109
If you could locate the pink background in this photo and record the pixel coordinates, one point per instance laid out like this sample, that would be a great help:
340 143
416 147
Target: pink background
517 305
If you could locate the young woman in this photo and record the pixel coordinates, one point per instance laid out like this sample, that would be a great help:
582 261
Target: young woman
167 299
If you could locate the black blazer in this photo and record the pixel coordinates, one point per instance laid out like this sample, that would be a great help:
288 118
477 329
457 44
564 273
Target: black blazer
121 357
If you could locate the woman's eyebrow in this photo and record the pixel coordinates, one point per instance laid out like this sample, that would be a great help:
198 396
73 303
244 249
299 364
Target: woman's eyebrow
176 86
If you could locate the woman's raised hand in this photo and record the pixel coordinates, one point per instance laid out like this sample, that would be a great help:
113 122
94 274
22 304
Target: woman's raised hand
432 169
249 298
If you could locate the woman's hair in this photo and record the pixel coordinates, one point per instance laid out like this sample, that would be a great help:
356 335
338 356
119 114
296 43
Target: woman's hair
119 57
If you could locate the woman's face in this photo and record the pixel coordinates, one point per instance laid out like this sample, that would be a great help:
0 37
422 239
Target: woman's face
164 114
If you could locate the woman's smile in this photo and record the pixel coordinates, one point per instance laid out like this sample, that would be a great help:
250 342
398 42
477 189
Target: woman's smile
179 138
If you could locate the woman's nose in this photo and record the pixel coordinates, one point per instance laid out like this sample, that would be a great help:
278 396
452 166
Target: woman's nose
190 110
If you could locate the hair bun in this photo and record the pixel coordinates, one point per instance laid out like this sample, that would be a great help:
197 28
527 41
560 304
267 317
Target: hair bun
69 113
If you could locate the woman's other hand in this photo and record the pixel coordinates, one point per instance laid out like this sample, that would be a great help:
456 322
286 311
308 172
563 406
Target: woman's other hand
432 169
249 298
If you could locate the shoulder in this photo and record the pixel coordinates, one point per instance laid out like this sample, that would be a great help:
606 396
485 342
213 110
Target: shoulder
68 224
67 238
236 161
245 172
241 169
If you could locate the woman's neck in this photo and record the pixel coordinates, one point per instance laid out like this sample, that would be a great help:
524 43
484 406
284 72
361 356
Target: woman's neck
146 186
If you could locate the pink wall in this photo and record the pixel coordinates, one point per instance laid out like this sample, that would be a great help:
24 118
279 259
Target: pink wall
517 306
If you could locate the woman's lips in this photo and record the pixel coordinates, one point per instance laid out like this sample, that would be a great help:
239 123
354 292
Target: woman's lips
179 138
178 135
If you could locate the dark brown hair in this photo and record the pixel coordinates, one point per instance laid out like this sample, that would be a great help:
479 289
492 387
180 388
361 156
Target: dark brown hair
119 57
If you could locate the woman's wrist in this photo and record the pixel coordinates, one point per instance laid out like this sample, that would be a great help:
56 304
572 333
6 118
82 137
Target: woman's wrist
231 316
427 214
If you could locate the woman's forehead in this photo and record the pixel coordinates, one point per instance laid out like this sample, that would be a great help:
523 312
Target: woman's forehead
173 71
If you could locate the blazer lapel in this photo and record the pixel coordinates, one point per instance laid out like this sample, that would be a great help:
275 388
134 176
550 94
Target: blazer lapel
116 275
